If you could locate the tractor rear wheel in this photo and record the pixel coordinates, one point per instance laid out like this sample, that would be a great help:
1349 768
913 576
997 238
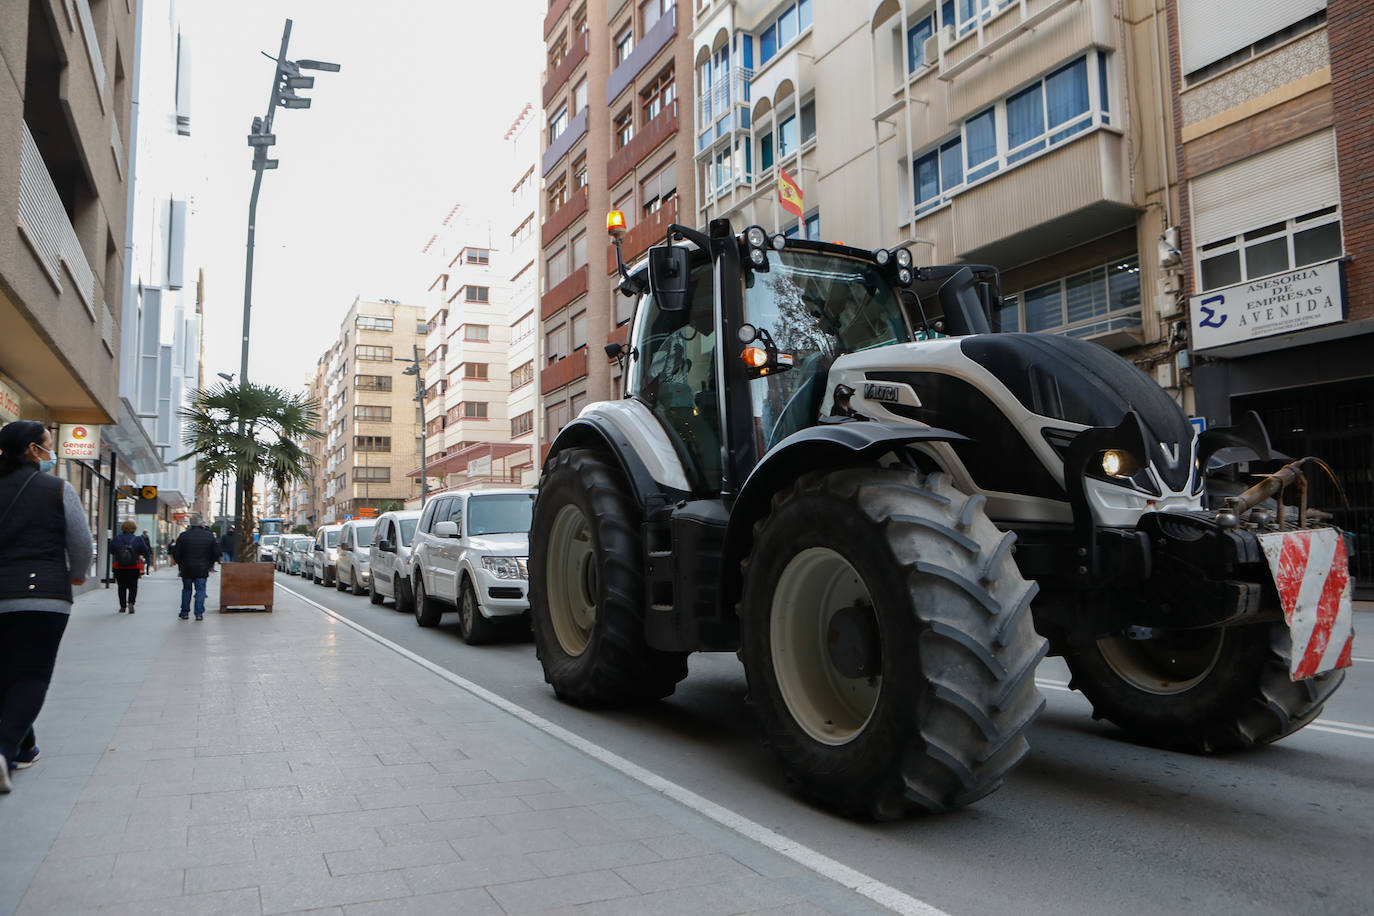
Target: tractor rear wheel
1200 690
587 587
888 642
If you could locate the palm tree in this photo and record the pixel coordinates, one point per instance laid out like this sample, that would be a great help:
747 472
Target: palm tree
273 421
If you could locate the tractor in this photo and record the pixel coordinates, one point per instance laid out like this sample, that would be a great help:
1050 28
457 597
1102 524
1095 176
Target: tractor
827 462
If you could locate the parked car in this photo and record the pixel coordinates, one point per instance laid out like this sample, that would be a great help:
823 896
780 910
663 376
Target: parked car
325 556
298 555
471 555
390 557
267 547
355 571
279 555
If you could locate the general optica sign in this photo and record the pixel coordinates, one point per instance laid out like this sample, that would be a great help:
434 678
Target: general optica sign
1294 301
78 441
9 404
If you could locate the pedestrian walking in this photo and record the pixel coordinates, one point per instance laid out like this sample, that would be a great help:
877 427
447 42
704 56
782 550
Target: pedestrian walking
45 549
228 544
152 557
194 554
128 554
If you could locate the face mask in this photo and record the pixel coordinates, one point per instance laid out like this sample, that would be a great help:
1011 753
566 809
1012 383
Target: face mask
50 463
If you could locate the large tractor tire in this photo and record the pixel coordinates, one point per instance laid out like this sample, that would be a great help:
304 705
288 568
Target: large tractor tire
1200 690
888 642
587 588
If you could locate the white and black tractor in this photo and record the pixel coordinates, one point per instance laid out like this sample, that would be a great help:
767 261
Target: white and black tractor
891 525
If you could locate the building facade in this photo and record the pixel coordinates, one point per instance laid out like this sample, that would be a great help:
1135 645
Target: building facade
1273 131
368 413
522 269
615 136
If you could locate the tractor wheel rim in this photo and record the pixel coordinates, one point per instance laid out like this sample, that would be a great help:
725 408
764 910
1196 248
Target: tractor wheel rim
829 706
573 586
1167 666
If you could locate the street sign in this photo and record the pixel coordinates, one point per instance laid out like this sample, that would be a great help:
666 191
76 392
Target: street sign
148 492
367 512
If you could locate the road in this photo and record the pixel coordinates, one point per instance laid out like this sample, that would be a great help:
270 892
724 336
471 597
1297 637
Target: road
1087 824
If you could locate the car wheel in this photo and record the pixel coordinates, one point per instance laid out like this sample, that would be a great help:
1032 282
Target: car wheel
405 601
475 628
427 611
373 595
339 582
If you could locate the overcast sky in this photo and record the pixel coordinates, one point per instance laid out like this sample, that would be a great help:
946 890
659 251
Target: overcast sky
411 125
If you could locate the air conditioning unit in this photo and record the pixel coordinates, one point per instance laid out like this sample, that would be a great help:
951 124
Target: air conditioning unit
930 51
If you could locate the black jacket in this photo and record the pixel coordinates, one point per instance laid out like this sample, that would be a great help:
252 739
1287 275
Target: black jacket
33 543
136 544
195 552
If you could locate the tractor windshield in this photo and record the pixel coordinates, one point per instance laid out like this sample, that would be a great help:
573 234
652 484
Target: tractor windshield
816 307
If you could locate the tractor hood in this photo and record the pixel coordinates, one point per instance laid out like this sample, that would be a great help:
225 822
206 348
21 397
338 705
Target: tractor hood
1079 382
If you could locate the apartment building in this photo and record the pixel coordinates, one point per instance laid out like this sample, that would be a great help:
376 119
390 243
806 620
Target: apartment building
611 140
368 413
65 173
522 265
1275 151
466 361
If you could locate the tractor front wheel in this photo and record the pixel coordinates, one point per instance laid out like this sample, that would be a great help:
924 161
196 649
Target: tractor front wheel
888 642
587 587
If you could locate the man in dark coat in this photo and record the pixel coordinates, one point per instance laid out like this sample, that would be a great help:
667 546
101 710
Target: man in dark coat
228 543
195 554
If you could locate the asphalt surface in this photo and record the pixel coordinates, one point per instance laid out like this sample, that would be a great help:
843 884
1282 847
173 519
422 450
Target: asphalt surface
1088 823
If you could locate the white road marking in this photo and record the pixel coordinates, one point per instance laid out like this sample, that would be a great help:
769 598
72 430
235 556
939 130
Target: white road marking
1349 729
1356 658
878 892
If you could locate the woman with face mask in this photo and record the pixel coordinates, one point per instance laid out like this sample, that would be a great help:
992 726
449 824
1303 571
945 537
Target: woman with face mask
45 549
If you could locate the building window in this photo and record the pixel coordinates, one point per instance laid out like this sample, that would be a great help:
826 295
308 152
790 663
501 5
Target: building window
372 382
579 171
556 343
916 43
576 403
372 323
659 188
1308 239
579 20
557 124
624 44
651 11
421 328
363 351
791 22
522 328
557 194
371 413
555 418
1080 304
579 96
658 96
522 424
477 333
579 250
372 443
477 371
813 227
557 51
476 256
578 330
476 294
624 128
474 410
372 475
1037 118
556 268
522 375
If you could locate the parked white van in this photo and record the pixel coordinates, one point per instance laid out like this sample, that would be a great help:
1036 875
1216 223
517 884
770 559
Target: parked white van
354 572
471 555
325 561
390 556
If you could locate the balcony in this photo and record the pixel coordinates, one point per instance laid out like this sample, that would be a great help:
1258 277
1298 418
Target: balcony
44 224
573 286
556 10
568 369
646 232
562 218
654 41
559 148
649 138
559 75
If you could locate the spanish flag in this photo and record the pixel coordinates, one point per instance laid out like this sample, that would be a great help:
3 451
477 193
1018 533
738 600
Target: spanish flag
789 194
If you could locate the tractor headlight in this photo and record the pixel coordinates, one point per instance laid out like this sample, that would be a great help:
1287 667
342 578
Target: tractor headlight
904 276
755 237
757 257
903 256
779 242
882 256
507 567
1118 463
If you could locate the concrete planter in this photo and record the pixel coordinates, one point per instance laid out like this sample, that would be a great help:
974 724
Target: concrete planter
245 585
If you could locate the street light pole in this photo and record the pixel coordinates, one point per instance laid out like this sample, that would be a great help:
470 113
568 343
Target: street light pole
414 369
286 79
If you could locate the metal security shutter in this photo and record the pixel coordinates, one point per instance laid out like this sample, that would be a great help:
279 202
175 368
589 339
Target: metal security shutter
1208 30
1284 182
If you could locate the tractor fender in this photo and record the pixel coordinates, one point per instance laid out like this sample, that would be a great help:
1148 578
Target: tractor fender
629 432
829 445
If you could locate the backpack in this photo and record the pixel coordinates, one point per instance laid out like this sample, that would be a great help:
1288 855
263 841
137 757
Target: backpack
125 556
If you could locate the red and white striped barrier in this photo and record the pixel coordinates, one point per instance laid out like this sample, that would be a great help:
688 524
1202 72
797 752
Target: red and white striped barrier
1311 572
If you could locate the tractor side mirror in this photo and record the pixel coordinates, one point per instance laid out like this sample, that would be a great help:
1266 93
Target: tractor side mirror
962 305
670 271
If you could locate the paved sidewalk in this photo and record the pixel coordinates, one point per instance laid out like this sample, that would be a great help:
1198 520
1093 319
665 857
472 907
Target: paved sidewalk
275 763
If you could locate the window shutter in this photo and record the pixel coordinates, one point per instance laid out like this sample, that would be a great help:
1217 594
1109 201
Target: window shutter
1277 185
1208 30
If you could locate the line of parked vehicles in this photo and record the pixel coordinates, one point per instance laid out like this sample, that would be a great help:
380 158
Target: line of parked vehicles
466 552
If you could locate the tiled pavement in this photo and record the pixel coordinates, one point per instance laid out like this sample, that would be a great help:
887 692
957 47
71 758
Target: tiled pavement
281 763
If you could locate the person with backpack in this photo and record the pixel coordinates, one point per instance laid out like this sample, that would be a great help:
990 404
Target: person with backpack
128 552
45 549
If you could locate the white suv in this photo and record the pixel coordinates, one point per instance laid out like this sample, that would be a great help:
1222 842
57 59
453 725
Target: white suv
355 572
471 555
